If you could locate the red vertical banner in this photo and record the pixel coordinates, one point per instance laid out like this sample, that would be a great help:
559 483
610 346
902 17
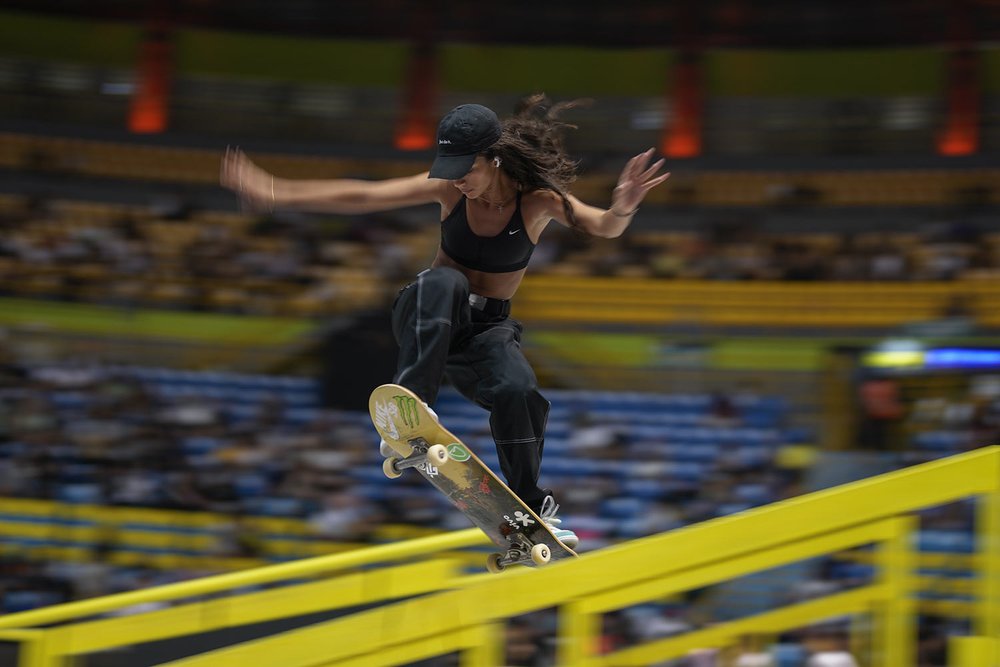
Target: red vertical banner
147 112
960 134
682 137
417 124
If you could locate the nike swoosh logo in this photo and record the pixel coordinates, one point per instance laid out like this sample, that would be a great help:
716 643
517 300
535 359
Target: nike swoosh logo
513 232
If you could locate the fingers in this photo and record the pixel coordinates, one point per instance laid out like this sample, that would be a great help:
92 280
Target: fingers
648 173
638 169
638 178
237 172
649 185
638 163
638 172
229 170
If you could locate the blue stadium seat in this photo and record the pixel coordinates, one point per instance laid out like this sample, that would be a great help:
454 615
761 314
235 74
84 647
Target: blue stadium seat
946 541
276 506
250 485
941 441
623 507
82 494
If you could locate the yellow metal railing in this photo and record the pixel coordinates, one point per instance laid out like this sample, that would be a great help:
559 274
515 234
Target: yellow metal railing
165 539
877 511
51 636
466 614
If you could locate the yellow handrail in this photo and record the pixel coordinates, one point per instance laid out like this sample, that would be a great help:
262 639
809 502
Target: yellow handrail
233 580
782 528
346 590
466 614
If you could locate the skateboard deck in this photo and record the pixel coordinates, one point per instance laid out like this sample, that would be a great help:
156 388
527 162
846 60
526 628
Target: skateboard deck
422 443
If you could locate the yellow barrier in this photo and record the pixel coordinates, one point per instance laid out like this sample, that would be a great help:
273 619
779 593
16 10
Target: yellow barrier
53 646
974 651
285 602
878 510
467 614
987 619
577 299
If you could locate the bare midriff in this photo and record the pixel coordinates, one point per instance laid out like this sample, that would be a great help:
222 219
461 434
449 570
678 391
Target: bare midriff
493 285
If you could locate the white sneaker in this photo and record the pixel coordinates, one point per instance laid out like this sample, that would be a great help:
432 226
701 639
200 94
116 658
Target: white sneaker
386 451
548 514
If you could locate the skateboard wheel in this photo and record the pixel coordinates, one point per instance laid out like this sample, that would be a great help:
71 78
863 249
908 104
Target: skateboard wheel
437 454
540 554
390 469
494 565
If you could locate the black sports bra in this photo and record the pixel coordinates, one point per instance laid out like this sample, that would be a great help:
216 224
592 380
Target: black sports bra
510 250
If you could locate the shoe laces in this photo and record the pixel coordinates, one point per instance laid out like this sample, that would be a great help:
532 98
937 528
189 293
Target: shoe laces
547 513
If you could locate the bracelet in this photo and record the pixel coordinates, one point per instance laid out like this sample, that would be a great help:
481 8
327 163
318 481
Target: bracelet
623 215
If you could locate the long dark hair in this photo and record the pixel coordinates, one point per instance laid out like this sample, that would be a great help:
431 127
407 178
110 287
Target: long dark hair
531 148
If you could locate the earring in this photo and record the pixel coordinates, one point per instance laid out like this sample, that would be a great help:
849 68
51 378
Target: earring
496 162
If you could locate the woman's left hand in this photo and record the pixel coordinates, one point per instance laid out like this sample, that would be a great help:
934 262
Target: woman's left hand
637 178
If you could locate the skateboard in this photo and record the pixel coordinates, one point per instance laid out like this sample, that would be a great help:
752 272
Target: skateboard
420 442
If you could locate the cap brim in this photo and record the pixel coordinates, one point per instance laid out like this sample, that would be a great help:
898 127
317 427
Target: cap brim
451 167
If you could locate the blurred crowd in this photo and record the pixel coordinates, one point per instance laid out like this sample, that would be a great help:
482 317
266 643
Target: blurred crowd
168 255
110 436
104 436
735 249
99 436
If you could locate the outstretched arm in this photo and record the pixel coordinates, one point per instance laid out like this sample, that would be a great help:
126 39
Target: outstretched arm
637 178
262 190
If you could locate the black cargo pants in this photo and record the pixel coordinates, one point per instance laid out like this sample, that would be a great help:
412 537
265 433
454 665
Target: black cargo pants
440 336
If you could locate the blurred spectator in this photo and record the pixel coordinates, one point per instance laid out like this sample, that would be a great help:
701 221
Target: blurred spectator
704 657
346 517
881 412
723 411
524 643
751 655
829 648
887 262
595 438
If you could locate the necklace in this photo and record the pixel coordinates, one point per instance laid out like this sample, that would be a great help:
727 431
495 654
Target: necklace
499 206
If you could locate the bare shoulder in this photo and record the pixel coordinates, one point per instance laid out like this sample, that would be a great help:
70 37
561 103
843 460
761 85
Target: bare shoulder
447 194
538 208
541 205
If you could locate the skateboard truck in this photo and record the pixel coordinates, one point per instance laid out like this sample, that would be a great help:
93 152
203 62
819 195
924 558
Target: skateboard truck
521 551
423 453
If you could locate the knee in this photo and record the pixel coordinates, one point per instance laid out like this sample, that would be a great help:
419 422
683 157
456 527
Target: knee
518 390
515 401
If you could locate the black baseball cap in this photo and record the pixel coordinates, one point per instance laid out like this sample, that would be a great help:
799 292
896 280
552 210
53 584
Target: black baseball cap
462 134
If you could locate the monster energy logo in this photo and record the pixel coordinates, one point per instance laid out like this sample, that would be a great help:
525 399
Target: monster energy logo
407 406
457 452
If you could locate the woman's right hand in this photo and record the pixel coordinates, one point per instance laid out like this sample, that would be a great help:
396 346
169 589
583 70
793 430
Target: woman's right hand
253 185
